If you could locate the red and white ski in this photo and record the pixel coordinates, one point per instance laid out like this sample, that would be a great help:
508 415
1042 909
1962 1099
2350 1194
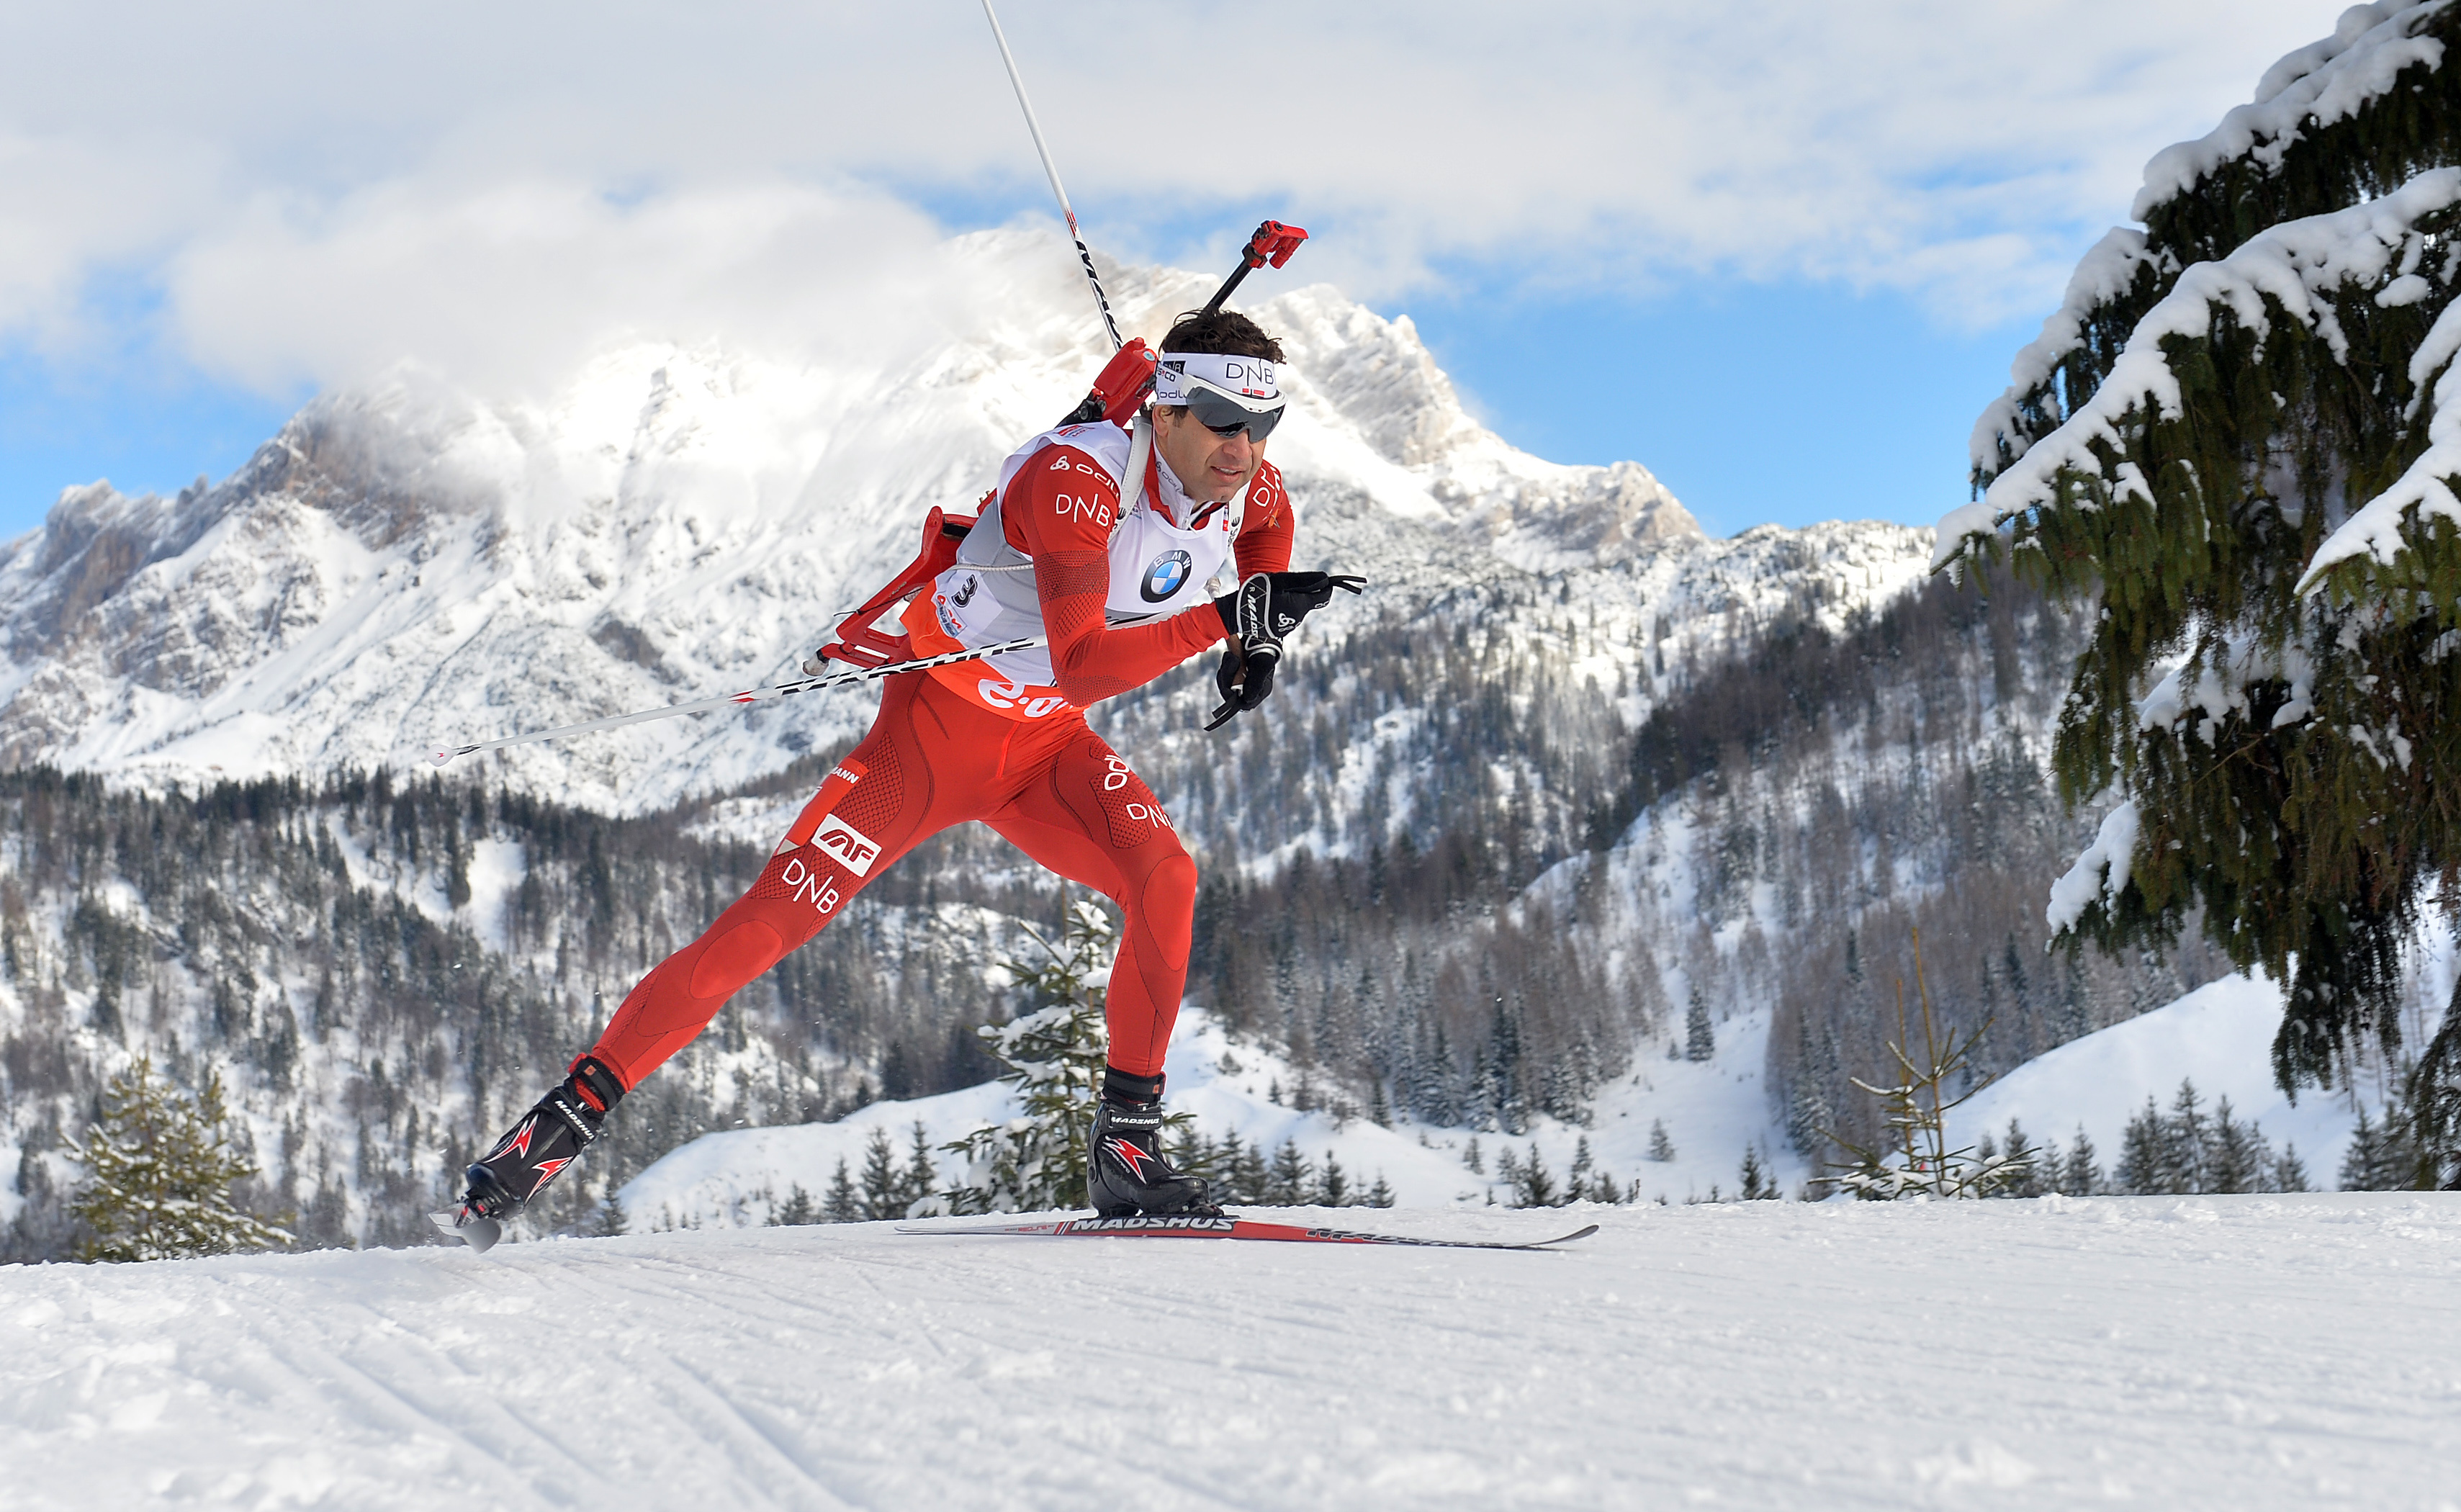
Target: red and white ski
1230 1229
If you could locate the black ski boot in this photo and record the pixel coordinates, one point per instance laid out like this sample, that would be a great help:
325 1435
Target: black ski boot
1126 1174
534 1150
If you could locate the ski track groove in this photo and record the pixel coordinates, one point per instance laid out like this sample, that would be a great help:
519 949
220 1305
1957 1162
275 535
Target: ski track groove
608 1284
333 1366
2223 1353
778 1450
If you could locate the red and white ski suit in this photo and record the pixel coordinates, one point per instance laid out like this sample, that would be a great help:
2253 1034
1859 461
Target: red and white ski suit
1012 750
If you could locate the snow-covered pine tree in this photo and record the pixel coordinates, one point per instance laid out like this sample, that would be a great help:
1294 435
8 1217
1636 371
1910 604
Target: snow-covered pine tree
2241 431
2081 1173
2039 1165
1661 1145
1053 1057
2141 1168
1755 1186
1699 1035
2185 1141
844 1205
160 1169
921 1179
2289 1173
1807 1115
884 1192
1249 1172
1290 1179
1332 1185
2379 1159
2238 1162
1534 1186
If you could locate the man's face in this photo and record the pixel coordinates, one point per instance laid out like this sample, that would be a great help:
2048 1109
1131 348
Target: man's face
1211 467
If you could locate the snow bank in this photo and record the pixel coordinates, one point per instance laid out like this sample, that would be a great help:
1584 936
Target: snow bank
2241 1353
2219 1036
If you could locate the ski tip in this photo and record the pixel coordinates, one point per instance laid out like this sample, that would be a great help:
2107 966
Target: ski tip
441 758
1577 1233
479 1233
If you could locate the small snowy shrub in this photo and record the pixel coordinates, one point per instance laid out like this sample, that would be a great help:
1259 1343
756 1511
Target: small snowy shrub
160 1169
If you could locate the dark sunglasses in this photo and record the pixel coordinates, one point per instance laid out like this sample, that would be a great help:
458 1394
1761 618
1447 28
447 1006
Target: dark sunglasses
1225 416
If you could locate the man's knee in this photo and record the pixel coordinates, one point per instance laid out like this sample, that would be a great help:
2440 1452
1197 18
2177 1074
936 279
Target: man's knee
1167 902
734 958
1173 884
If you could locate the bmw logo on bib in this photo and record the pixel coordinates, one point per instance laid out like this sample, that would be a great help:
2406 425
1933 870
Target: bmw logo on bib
1165 577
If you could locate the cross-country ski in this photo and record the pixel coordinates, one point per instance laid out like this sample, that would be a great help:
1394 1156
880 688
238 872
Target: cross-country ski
1227 1227
819 757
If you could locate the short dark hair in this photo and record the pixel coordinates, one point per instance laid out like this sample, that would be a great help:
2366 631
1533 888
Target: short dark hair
1225 332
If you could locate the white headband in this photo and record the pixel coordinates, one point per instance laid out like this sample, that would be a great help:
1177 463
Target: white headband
1248 378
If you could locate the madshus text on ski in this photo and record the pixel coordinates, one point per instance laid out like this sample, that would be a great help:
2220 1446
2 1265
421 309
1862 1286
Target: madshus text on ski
1091 568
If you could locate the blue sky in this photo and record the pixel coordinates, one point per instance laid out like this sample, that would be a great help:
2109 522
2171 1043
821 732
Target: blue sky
1781 403
1779 253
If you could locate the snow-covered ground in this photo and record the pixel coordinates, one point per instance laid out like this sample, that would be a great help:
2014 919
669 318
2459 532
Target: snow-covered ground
2225 1353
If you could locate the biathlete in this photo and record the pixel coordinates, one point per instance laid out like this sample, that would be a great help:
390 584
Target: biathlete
1113 571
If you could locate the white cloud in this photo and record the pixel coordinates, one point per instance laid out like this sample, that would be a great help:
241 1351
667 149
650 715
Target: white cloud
506 286
318 190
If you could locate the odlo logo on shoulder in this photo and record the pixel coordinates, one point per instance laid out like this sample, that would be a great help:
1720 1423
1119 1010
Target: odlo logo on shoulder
1164 576
852 848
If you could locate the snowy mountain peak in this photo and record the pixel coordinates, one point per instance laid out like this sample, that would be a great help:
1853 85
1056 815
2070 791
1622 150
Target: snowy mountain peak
406 565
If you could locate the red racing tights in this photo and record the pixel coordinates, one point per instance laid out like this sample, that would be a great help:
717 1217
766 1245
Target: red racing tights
1051 785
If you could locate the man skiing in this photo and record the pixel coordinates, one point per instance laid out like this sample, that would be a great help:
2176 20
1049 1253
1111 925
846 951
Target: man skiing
1105 545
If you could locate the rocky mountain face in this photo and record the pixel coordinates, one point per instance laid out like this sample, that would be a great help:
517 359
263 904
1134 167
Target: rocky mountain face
404 568
1568 768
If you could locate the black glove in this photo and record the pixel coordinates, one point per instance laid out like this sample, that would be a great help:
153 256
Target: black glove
1267 608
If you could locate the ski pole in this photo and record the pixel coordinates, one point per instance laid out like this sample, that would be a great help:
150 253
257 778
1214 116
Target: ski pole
750 695
1101 300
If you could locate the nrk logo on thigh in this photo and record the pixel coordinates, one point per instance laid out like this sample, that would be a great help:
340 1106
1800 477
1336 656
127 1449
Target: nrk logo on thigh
848 846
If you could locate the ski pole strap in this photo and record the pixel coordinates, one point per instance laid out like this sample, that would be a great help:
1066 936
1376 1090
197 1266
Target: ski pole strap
750 695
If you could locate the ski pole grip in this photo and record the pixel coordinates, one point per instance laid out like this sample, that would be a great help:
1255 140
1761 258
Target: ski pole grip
1273 242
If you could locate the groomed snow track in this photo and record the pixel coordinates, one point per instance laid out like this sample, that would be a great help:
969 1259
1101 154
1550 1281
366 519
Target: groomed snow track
2234 1352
